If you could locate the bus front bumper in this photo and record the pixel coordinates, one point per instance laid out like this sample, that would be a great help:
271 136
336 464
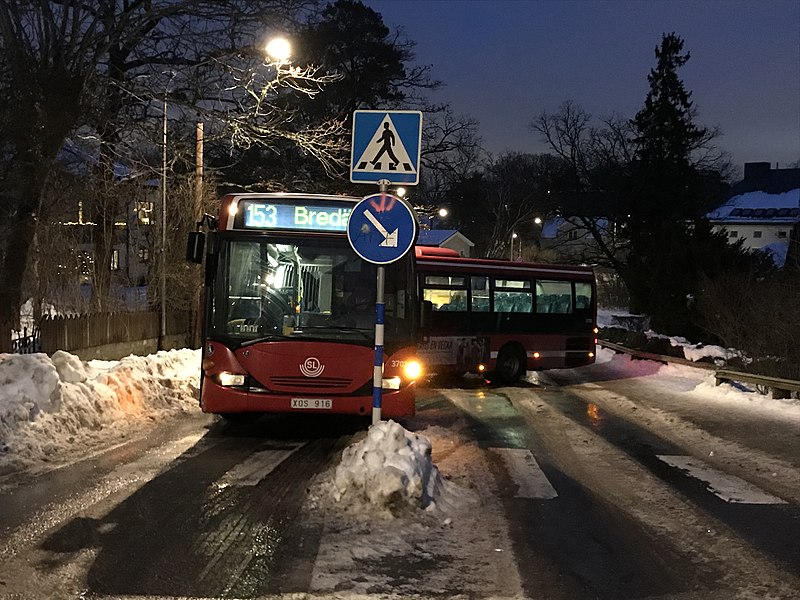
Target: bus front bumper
217 399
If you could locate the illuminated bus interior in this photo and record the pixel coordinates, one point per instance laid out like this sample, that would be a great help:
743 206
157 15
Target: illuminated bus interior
299 288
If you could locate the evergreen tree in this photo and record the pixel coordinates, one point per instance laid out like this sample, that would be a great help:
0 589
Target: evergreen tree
667 197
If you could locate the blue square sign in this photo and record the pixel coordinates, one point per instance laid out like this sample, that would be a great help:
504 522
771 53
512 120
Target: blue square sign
386 146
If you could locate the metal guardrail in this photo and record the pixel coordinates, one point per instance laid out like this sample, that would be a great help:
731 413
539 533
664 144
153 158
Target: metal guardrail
656 357
776 384
780 387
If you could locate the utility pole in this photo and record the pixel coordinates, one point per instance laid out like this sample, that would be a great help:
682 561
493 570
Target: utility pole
198 171
162 330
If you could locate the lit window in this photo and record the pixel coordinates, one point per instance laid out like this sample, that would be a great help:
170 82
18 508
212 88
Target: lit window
115 260
144 210
144 254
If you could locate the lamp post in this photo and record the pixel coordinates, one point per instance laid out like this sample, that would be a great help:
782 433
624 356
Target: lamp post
513 237
162 330
162 333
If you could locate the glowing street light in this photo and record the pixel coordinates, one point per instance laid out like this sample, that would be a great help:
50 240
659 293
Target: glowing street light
513 237
279 49
443 212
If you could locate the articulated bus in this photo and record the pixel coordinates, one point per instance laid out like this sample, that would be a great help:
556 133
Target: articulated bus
289 315
504 317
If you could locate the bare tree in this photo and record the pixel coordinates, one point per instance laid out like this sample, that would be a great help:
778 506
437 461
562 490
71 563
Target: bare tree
70 64
594 157
516 187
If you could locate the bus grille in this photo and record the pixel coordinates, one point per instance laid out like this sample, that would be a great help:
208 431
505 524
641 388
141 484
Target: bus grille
312 382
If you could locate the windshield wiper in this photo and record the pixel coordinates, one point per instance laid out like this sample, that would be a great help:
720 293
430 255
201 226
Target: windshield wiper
367 333
267 338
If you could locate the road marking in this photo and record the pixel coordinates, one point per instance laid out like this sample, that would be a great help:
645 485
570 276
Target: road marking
255 468
526 473
728 487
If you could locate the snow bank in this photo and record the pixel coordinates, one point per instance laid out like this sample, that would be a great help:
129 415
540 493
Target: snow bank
390 469
56 408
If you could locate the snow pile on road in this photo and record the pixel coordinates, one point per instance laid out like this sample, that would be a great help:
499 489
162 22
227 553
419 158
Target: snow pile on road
54 408
389 469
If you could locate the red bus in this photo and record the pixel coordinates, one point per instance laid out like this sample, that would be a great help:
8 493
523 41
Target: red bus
289 313
504 317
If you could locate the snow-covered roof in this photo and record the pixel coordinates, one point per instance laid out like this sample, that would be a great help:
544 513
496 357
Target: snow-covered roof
79 158
550 227
759 206
437 237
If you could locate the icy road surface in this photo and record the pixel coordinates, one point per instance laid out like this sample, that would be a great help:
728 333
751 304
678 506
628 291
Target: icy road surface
625 479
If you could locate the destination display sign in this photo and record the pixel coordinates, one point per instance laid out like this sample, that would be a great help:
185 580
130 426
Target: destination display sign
274 214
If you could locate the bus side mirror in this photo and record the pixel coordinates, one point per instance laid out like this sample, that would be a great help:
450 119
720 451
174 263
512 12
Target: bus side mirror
426 314
194 246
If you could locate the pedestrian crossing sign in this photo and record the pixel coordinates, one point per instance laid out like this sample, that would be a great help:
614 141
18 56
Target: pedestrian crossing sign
386 146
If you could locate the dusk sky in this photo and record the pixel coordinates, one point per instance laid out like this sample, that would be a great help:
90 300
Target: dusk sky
504 61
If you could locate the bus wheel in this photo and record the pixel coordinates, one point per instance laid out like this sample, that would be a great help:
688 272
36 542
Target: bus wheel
510 365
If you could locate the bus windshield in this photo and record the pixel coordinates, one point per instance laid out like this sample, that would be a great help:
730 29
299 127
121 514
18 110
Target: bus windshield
303 288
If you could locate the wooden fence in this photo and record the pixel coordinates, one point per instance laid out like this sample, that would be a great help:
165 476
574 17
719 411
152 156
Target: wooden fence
71 333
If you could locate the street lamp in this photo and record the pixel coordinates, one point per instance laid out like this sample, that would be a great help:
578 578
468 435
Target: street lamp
162 333
513 237
279 49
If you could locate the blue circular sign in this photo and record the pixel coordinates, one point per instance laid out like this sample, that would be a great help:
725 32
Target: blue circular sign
382 228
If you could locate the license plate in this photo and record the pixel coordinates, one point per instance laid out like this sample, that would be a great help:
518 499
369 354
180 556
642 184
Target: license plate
312 403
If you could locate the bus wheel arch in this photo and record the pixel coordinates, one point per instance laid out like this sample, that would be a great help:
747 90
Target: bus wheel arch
512 362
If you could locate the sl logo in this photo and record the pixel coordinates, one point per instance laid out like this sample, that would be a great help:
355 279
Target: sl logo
312 367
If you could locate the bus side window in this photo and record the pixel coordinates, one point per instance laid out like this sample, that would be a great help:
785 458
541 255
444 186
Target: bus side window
446 300
564 304
522 303
501 302
583 296
480 294
542 303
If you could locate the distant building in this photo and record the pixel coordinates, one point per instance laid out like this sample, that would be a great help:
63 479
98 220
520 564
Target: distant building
762 209
571 241
446 238
133 235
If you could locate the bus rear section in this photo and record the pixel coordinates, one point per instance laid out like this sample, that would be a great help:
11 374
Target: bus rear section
503 317
290 313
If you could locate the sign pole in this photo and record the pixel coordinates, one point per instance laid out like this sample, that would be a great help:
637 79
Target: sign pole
385 149
380 313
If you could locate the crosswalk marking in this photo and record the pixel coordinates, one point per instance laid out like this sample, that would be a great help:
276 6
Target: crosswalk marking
728 487
526 473
255 468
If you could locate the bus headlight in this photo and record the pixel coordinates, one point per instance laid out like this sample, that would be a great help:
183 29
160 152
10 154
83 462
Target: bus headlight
228 379
412 370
